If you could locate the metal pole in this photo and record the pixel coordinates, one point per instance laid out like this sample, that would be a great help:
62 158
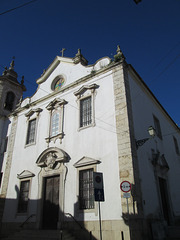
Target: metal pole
127 205
100 222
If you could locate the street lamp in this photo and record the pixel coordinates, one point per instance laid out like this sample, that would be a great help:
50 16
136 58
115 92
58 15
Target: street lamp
151 132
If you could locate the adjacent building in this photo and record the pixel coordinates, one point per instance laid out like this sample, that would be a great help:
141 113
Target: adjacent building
84 119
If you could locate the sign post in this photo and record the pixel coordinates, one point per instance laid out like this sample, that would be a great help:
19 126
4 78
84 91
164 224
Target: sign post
125 186
98 193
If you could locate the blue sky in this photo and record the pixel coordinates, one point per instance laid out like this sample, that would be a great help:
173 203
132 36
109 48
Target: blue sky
148 34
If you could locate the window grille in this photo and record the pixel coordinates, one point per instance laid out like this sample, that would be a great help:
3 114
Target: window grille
85 112
31 131
23 196
86 190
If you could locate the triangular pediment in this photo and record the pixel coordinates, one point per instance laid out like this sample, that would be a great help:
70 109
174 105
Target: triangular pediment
84 161
159 161
32 111
52 67
162 162
56 102
25 174
85 88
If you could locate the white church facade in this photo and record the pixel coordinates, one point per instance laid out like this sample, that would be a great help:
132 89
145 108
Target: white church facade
84 119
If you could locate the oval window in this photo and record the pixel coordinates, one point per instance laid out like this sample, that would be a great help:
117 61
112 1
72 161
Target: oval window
58 84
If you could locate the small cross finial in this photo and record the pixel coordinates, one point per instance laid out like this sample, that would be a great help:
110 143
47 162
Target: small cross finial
62 51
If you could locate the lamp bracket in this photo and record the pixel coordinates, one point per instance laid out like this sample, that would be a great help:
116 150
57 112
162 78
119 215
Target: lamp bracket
141 142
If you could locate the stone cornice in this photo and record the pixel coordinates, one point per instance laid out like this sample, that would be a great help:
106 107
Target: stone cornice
51 68
72 85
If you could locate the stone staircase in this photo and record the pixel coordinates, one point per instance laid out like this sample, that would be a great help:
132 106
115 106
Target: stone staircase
173 233
2 201
40 234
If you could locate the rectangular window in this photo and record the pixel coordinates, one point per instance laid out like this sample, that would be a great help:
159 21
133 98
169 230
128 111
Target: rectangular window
176 145
85 112
31 131
86 190
23 196
157 127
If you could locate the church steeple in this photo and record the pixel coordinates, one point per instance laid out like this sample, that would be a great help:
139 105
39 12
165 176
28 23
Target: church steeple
10 73
11 92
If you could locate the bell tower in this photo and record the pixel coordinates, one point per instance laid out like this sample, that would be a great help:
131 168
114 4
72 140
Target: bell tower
11 92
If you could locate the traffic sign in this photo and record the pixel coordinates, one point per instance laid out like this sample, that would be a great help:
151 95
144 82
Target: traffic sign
99 195
125 186
98 180
126 195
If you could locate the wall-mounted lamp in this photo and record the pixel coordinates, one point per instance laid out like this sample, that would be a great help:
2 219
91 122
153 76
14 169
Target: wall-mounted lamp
151 132
137 1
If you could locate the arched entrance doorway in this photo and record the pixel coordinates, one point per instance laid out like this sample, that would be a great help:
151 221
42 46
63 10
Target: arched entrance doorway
52 178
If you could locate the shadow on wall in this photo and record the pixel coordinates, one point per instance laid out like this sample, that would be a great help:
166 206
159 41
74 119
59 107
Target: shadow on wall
141 228
50 217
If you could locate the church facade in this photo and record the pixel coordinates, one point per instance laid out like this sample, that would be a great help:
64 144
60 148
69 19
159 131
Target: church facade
84 119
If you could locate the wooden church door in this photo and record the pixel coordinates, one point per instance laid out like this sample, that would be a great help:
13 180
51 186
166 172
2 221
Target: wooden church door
51 202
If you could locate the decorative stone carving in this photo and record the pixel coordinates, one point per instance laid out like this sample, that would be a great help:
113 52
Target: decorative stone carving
79 58
119 57
159 162
52 158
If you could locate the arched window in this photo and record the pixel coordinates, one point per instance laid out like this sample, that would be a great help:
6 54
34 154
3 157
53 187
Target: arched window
9 102
55 123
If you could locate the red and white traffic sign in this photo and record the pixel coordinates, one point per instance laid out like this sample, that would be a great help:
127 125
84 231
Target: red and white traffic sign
125 186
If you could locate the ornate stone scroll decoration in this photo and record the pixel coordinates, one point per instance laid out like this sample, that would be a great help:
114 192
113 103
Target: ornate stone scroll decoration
159 162
56 106
52 158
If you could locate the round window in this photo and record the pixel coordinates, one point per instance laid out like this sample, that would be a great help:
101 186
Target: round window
58 84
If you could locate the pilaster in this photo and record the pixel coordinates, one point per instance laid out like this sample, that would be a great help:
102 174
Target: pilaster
9 157
127 157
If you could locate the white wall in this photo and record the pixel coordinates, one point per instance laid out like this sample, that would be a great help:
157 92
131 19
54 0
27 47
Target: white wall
98 142
144 107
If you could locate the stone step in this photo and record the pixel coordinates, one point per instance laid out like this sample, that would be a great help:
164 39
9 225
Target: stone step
40 234
174 232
